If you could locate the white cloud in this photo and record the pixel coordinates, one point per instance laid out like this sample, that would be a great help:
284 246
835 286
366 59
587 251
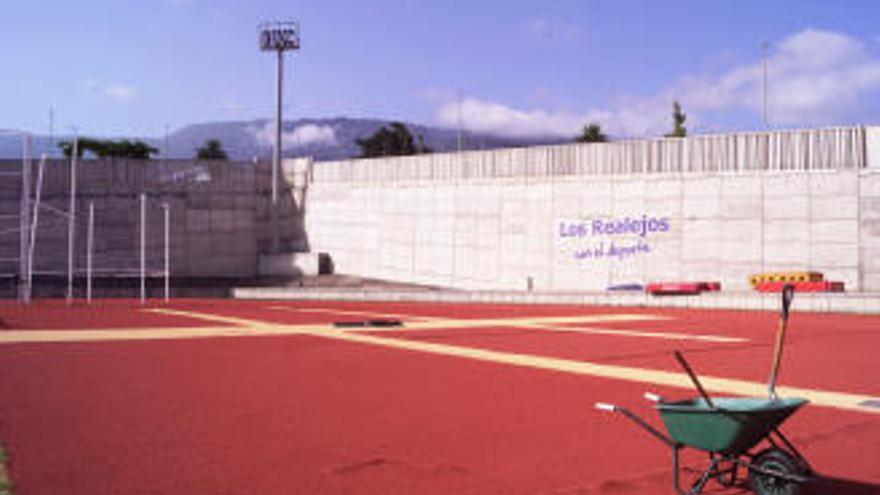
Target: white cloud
231 103
115 92
120 92
302 135
814 78
495 118
549 29
637 117
314 134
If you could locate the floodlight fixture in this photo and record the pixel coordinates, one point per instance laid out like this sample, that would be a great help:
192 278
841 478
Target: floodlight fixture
279 36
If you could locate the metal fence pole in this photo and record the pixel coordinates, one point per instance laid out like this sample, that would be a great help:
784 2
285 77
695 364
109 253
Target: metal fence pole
71 220
143 248
24 292
90 250
167 208
35 221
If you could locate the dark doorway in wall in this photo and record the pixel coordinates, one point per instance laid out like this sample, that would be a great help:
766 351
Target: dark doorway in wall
325 264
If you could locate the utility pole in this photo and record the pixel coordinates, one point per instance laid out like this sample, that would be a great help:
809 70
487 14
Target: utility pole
458 115
165 147
51 129
764 47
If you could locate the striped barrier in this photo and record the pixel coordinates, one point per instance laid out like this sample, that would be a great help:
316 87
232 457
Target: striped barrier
760 278
808 286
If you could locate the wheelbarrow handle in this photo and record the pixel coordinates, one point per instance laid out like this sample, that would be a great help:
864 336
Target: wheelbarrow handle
602 406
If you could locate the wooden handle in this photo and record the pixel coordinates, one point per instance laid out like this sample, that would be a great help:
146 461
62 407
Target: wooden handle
787 296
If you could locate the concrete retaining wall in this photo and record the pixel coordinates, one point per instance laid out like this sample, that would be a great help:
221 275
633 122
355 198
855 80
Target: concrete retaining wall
562 219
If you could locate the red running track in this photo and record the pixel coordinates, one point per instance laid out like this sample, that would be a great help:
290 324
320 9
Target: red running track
304 414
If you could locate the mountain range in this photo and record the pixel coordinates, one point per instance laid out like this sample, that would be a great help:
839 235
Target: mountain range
322 138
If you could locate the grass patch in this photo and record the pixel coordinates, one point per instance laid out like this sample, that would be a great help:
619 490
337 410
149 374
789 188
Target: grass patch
5 483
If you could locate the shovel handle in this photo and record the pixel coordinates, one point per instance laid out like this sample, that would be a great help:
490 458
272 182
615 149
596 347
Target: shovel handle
787 297
684 364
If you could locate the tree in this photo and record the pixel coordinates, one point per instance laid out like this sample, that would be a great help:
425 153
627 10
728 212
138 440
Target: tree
422 147
396 141
106 148
592 133
678 118
211 150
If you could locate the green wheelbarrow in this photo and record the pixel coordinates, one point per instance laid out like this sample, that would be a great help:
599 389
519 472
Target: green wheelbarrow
729 429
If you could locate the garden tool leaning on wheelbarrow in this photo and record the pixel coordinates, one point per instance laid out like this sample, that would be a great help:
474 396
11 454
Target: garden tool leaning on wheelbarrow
730 428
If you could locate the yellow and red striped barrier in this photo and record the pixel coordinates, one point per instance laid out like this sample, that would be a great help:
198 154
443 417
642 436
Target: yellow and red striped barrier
785 277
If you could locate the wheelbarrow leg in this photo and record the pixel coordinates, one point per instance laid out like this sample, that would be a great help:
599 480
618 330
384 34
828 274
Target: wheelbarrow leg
676 447
725 476
791 450
698 485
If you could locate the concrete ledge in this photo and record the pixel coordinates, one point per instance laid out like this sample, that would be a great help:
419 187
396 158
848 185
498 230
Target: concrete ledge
289 264
862 303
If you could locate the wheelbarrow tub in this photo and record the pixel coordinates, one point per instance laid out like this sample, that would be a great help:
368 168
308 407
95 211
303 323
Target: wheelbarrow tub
733 427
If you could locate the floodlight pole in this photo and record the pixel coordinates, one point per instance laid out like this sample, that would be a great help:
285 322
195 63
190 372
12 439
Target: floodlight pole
276 152
278 37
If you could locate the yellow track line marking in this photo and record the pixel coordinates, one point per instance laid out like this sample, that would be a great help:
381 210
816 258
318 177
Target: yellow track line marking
636 333
45 336
528 321
840 400
355 313
586 330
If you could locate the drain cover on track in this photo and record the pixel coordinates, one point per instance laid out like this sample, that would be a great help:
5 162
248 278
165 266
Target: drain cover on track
369 323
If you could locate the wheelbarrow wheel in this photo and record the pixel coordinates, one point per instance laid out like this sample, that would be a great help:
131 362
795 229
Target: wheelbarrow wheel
782 464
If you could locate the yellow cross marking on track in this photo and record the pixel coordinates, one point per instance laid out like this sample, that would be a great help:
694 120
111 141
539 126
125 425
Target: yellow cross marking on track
369 314
656 377
526 323
241 326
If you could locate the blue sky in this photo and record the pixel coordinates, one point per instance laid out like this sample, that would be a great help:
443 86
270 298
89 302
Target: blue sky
131 67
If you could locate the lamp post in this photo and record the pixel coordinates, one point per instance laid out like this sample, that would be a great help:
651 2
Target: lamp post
278 37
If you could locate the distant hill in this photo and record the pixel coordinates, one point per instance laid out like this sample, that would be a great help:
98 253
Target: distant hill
325 139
